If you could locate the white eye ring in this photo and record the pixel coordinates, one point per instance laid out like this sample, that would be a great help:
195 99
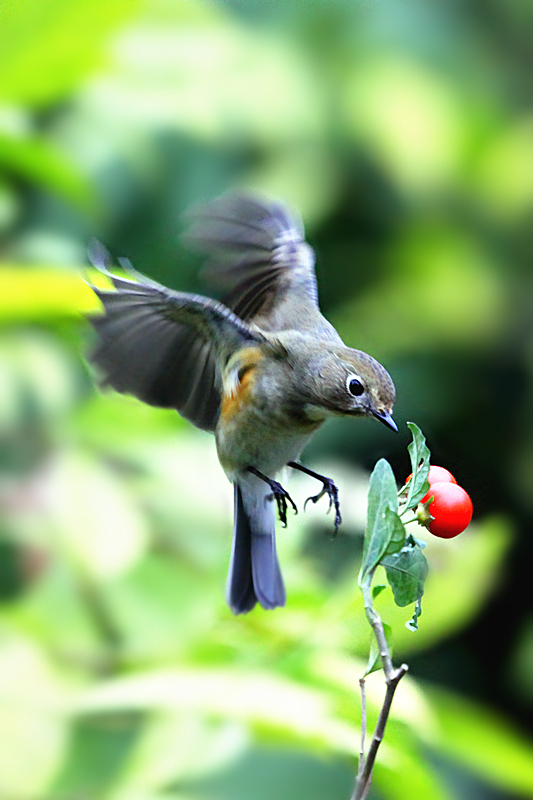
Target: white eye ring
354 385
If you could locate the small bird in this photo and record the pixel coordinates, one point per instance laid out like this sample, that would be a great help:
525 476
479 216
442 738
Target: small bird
262 370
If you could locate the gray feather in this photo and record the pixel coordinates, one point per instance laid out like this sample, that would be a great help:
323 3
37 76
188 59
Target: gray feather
166 348
254 572
240 594
259 256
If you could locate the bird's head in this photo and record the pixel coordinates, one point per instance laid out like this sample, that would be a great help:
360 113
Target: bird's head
350 382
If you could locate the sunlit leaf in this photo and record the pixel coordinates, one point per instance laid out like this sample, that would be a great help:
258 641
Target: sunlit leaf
382 495
420 455
42 294
39 163
264 701
44 55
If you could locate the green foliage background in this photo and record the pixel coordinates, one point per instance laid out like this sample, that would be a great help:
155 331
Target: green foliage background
403 132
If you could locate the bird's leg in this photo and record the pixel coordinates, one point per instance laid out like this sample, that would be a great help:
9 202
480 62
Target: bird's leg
280 495
328 487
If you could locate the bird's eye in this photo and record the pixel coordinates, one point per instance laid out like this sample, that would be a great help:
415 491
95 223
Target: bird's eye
355 386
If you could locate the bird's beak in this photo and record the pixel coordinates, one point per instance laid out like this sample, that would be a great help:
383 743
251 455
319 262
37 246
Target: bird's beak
386 418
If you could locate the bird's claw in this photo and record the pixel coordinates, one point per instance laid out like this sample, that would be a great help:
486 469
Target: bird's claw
329 488
281 496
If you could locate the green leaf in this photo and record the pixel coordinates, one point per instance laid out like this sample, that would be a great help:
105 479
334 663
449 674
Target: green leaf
468 569
254 699
44 56
41 294
382 495
406 573
36 161
376 590
415 540
420 455
413 622
397 532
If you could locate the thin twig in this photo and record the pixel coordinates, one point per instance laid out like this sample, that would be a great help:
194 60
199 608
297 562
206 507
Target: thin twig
368 785
383 647
360 766
392 679
363 780
377 626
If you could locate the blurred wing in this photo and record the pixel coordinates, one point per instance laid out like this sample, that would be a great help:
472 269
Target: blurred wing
259 255
164 347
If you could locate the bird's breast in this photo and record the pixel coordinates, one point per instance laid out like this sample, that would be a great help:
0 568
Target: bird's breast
258 425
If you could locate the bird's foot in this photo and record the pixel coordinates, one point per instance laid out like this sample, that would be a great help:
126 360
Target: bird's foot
282 498
328 487
279 494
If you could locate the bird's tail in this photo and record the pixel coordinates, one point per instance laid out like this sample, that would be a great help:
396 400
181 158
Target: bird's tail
254 573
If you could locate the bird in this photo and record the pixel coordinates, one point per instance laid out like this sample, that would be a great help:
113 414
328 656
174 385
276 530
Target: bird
262 368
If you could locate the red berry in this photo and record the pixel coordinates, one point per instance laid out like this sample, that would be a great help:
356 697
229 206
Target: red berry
451 508
436 475
440 475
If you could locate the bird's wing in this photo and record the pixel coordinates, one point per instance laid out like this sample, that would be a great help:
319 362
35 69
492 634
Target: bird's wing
166 348
259 256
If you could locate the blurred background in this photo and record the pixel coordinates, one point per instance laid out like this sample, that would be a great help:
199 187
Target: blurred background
403 132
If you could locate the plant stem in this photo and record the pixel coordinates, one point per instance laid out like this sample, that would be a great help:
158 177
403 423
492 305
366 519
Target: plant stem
364 778
377 626
361 764
392 679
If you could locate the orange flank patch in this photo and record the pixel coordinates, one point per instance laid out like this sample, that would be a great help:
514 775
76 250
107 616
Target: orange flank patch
232 401
239 391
